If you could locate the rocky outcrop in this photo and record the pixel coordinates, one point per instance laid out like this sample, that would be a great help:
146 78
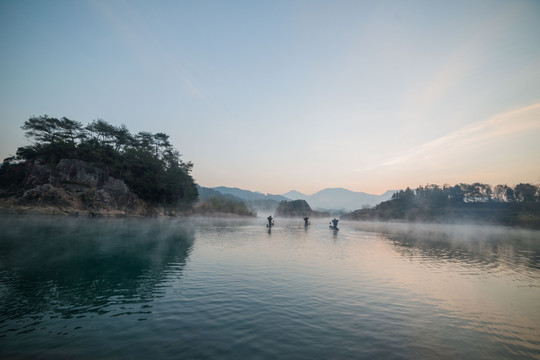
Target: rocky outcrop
296 208
75 187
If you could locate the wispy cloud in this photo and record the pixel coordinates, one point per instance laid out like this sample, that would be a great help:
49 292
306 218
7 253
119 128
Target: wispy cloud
498 127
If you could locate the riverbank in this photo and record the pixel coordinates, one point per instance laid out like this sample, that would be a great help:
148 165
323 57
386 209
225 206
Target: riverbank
12 206
524 215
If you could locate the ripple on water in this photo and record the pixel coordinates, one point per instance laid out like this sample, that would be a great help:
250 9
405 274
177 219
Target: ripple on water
233 290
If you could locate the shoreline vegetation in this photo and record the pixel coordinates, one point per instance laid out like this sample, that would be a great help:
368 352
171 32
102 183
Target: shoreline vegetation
97 169
517 206
104 170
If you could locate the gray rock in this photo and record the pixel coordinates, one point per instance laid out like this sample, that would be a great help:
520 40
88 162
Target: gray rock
75 186
37 174
78 172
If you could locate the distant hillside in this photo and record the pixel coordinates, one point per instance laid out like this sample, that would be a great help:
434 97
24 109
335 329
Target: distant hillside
295 195
209 193
327 199
248 195
255 201
339 198
212 202
298 208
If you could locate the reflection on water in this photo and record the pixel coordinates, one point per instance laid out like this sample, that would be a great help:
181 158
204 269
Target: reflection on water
515 250
71 267
132 288
487 276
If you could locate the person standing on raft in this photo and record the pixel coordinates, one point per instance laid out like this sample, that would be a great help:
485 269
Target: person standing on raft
335 222
306 221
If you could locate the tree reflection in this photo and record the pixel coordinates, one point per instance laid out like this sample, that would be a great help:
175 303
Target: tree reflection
472 245
71 267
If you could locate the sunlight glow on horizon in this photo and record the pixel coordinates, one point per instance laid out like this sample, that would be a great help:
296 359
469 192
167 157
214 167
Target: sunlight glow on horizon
499 126
303 95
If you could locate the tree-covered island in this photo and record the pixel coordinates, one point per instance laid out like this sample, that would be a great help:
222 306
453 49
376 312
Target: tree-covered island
95 169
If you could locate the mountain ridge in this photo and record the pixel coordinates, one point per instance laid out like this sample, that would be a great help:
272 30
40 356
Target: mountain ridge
247 194
326 199
340 198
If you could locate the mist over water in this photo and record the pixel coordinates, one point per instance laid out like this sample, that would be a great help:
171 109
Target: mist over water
229 288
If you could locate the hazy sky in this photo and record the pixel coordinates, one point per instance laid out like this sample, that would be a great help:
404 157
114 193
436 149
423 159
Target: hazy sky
280 95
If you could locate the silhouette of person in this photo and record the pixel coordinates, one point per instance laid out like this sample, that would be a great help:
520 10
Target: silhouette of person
270 222
306 223
335 222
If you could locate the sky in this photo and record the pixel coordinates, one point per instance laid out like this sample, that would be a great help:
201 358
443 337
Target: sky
272 96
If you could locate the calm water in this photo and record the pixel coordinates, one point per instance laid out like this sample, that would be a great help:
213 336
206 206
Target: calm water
140 289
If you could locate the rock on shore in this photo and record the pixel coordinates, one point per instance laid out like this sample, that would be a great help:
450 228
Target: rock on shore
74 187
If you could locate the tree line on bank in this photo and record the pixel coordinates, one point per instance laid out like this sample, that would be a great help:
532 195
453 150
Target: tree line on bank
501 204
471 193
149 165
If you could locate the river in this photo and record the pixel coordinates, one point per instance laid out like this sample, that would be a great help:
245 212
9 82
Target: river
131 288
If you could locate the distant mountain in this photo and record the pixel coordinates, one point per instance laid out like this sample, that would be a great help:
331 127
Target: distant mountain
339 198
249 195
255 200
295 195
327 199
208 193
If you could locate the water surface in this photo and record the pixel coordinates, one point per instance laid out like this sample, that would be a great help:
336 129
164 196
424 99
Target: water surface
169 288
